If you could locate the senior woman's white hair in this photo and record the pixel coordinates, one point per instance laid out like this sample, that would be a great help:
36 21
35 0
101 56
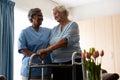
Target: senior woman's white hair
61 8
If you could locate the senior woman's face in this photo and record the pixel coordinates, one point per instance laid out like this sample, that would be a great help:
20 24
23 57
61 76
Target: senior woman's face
59 16
37 18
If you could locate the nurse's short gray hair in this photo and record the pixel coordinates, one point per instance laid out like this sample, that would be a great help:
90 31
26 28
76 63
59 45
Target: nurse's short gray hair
33 12
62 8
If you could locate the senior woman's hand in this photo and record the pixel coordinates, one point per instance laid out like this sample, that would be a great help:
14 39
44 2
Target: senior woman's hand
43 53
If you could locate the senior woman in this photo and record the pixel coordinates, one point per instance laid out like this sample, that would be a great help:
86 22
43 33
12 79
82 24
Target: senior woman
31 39
64 41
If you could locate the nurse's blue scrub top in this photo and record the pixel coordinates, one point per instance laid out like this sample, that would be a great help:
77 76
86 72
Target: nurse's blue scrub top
32 40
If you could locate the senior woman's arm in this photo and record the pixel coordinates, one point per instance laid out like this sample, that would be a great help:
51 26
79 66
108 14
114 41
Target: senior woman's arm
44 52
70 37
60 43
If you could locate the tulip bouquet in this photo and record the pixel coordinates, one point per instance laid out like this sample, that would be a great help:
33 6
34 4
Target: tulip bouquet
92 61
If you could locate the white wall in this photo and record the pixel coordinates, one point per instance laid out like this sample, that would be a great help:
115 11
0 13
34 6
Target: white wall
102 8
45 5
96 9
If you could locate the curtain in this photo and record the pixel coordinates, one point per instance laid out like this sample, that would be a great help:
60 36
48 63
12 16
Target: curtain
6 38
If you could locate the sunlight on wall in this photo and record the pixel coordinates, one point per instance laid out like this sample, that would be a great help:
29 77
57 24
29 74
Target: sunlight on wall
21 22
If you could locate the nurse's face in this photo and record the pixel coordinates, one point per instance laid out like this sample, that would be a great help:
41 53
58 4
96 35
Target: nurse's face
37 18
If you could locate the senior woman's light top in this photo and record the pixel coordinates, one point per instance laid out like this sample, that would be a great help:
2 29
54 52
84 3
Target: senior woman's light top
71 33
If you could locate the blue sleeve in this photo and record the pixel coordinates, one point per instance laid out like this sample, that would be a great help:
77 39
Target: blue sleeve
21 41
72 34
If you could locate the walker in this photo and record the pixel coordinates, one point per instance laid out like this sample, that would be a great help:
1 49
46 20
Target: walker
42 65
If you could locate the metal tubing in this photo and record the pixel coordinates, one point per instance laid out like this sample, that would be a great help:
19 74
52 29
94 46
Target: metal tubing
42 70
73 65
76 63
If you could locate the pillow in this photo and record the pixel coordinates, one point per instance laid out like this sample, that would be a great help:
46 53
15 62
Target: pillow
110 76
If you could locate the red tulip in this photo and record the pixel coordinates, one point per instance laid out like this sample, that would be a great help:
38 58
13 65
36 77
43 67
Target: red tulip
88 55
84 55
96 54
102 53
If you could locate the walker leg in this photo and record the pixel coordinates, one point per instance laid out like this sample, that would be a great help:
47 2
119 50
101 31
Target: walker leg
74 72
29 73
42 69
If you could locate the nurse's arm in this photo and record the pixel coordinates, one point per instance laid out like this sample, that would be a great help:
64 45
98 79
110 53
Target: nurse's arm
26 52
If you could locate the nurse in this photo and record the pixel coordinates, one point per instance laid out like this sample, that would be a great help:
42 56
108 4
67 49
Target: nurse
31 39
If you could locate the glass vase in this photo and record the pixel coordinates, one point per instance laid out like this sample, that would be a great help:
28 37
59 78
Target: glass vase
94 73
